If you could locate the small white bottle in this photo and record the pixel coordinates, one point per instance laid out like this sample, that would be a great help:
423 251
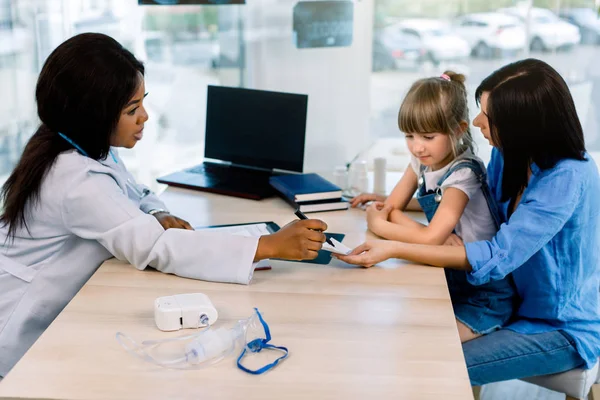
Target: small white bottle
362 177
379 170
340 177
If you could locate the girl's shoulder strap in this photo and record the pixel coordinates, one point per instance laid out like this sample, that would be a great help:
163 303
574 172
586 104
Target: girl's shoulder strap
476 165
472 163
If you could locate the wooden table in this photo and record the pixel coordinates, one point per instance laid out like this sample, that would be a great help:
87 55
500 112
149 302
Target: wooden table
381 333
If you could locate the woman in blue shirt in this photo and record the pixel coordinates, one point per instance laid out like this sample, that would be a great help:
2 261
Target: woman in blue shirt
548 190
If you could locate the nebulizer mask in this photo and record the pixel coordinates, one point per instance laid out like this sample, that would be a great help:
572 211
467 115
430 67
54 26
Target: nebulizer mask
209 346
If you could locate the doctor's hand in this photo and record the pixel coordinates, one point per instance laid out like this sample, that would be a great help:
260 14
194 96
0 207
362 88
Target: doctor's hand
298 240
370 253
170 221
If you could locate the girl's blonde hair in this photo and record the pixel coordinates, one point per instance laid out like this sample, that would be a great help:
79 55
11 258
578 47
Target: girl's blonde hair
438 104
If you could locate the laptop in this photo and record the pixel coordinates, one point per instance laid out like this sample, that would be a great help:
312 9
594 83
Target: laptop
250 136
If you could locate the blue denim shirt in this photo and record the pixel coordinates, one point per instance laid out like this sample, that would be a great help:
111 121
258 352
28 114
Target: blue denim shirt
551 244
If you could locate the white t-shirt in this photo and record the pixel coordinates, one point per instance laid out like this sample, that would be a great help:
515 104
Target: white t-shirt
477 222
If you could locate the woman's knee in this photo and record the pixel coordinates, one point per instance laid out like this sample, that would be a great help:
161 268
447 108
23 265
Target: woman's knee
465 333
506 354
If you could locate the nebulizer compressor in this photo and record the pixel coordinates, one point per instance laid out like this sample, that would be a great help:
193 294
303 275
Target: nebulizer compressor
204 348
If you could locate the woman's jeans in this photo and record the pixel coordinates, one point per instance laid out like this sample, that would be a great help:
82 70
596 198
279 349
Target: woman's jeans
505 354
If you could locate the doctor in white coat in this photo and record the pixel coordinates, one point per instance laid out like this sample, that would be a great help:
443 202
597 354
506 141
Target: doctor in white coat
70 203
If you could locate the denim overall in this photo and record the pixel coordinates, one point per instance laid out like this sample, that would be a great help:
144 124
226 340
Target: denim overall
482 308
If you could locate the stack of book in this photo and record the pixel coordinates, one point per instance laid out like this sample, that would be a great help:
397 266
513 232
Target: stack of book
309 192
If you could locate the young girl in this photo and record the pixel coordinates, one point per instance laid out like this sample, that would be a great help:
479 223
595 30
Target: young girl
452 191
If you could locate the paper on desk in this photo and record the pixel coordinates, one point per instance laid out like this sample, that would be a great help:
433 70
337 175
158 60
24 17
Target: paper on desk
250 230
338 249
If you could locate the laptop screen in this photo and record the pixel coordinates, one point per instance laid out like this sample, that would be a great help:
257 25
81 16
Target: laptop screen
256 128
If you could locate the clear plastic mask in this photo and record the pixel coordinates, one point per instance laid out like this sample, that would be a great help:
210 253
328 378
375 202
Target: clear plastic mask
207 347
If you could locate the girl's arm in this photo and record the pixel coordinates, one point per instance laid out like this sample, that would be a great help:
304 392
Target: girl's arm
534 223
413 205
401 197
376 251
437 232
400 218
404 190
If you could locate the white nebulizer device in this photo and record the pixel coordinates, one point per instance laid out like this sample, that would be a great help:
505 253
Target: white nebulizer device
191 310
206 347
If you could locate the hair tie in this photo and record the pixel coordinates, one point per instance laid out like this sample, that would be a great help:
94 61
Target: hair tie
445 77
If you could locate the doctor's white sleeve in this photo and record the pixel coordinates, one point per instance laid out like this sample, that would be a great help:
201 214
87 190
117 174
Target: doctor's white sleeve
151 201
96 208
148 202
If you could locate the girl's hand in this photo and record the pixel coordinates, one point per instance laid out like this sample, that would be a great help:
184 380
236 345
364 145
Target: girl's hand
454 240
369 253
364 198
377 211
170 221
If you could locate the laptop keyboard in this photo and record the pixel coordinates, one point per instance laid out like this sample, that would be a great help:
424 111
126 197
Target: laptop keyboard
223 179
228 173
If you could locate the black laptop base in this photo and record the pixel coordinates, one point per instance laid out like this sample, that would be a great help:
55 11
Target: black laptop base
223 179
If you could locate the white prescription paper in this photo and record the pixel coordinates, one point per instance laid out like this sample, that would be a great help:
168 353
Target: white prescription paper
338 249
251 230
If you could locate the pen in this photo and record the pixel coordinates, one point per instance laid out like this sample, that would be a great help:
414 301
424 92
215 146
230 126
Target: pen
301 215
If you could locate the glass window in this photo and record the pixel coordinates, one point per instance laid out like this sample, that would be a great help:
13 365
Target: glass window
355 88
484 36
186 48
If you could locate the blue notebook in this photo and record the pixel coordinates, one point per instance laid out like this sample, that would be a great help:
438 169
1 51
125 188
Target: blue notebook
305 187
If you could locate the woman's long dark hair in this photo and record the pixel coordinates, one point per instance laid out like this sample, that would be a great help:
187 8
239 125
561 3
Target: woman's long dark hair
532 118
83 87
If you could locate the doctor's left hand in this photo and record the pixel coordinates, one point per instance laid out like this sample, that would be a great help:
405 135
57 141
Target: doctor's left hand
170 221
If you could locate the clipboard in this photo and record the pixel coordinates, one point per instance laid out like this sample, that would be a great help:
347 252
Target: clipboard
272 227
324 257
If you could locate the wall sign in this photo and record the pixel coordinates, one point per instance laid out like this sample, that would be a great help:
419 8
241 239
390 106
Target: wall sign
188 2
323 23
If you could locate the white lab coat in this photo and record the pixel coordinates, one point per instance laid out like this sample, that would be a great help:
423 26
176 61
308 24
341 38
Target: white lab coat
88 213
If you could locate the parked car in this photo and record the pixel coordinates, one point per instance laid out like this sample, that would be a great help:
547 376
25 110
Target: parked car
396 50
587 20
547 31
438 41
491 34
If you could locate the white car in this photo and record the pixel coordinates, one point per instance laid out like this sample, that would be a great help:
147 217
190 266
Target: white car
491 33
547 31
587 20
437 40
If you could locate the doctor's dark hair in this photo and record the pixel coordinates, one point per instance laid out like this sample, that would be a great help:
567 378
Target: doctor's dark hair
532 118
81 92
